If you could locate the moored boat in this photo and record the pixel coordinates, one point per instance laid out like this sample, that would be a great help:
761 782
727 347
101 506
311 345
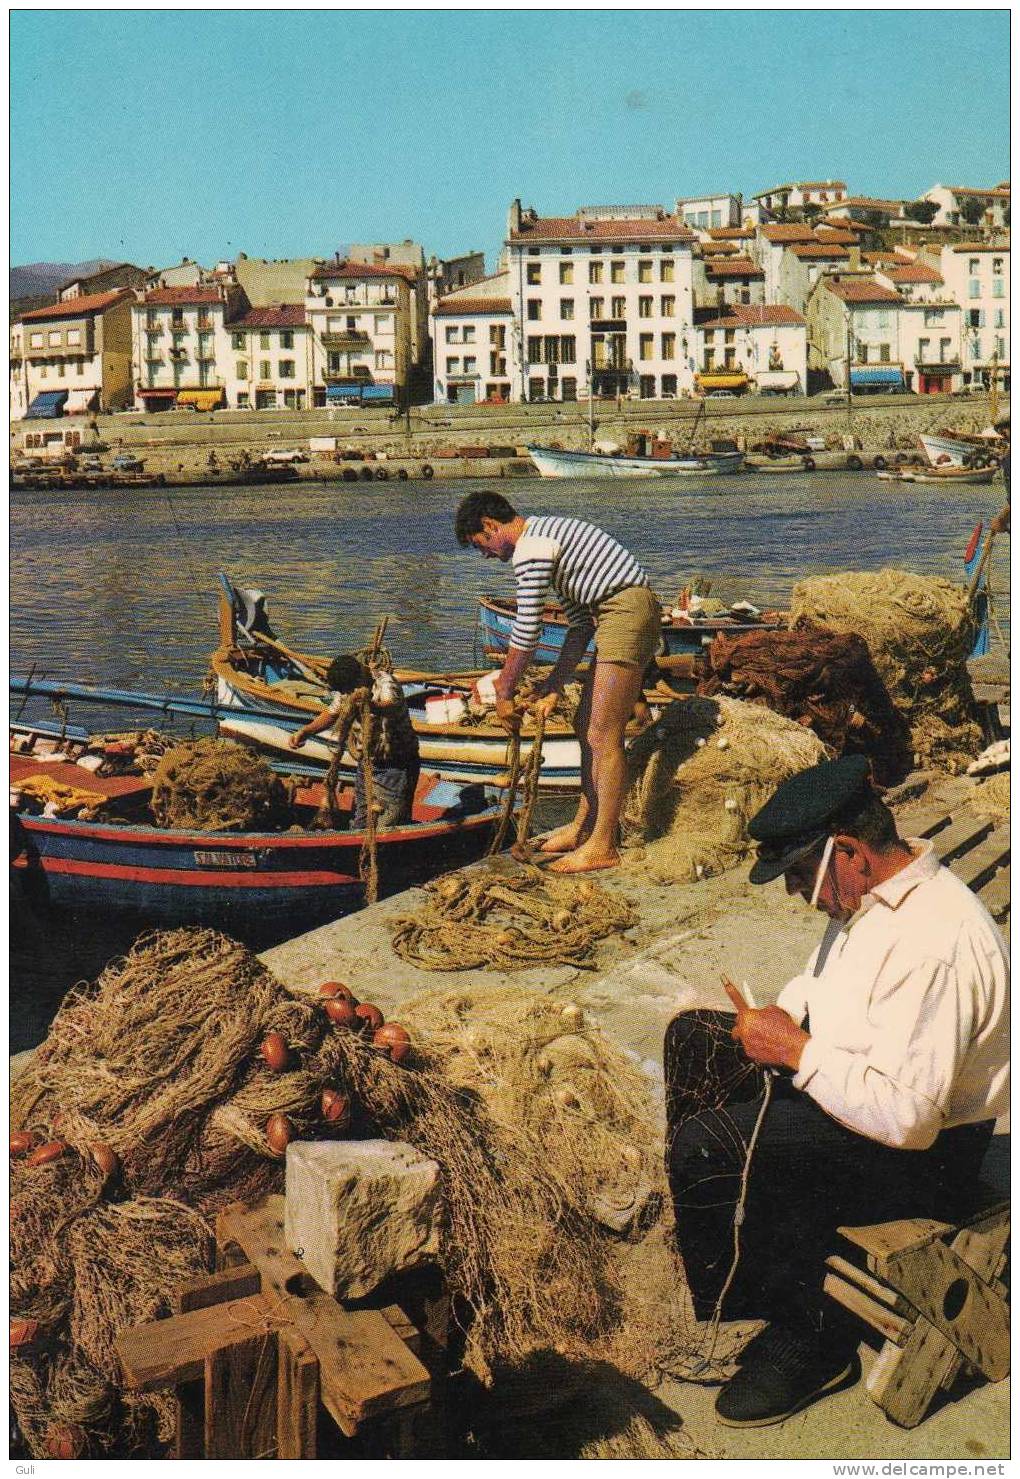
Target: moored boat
960 449
951 474
553 462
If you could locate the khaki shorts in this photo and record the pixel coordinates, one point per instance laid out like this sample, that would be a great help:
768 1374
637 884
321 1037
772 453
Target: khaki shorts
628 626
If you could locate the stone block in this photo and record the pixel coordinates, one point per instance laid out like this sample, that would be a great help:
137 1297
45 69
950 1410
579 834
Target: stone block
360 1210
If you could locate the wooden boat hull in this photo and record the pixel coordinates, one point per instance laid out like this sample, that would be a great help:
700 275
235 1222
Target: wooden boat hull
680 638
553 463
950 451
968 477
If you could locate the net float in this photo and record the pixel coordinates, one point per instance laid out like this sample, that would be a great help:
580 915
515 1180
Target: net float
394 1039
51 1151
573 1014
279 1132
23 1332
21 1141
337 989
105 1157
341 1011
65 1440
371 1017
336 1107
274 1051
567 1099
561 919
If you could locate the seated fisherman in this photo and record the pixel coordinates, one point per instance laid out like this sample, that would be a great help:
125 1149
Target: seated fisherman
395 762
889 1055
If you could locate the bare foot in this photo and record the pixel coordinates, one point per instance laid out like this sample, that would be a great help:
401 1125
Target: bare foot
564 839
585 860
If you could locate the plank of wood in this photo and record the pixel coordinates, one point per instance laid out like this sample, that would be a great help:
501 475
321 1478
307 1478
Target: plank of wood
403 1326
163 1353
962 834
872 1286
365 1369
996 895
925 822
879 1316
198 1294
881 1239
297 1396
240 1399
950 1295
981 863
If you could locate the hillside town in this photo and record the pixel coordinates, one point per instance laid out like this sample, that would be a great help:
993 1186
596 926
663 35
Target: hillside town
803 287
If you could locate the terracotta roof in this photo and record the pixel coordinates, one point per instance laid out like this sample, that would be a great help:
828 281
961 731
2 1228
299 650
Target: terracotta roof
571 228
783 232
802 185
844 223
356 270
181 297
717 248
999 190
755 316
284 316
733 267
911 272
819 251
75 307
894 258
861 290
980 246
464 307
731 233
872 202
833 235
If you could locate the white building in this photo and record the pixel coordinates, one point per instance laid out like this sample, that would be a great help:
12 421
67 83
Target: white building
472 331
18 371
795 196
607 292
953 202
771 241
361 320
702 212
805 263
180 346
268 363
76 354
976 276
929 326
760 348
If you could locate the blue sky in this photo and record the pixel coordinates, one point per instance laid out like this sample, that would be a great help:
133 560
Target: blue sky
151 135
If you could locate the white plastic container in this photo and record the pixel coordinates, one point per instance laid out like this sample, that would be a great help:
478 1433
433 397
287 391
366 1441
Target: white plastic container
446 708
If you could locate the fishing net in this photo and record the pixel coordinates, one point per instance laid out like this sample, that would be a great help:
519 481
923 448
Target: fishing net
824 681
920 631
214 785
990 798
699 774
509 921
155 1089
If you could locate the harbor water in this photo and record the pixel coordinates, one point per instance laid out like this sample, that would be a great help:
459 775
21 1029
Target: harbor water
121 590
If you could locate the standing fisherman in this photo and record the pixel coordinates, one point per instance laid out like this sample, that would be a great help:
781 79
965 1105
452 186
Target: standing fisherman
605 592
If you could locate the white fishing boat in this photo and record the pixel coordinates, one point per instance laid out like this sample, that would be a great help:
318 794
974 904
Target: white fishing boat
555 463
960 449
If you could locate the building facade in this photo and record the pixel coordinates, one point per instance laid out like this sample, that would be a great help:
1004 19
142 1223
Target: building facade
854 325
769 204
268 362
703 212
180 346
761 348
472 333
721 281
361 319
78 352
976 276
953 202
607 295
929 327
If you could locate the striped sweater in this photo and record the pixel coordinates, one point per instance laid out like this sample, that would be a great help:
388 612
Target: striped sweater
579 562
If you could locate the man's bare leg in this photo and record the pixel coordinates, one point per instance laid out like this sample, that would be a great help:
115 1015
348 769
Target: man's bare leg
570 837
615 690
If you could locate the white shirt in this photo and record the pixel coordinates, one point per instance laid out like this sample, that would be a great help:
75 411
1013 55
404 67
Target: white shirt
909 1010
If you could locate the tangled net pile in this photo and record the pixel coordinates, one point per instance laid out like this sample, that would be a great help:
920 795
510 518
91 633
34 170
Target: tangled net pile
214 785
700 773
990 798
509 921
824 681
920 631
154 1083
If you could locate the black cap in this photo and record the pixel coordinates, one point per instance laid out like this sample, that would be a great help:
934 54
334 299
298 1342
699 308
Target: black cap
800 815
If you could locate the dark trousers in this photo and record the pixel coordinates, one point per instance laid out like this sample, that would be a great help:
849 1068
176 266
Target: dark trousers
394 789
808 1175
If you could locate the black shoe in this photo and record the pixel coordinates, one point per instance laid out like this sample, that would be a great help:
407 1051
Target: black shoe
784 1373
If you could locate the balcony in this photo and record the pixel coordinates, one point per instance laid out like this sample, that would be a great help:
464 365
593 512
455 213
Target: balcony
351 339
930 366
608 325
178 354
154 328
179 326
205 325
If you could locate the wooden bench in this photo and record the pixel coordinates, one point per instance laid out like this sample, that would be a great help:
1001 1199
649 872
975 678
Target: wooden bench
933 1291
257 1350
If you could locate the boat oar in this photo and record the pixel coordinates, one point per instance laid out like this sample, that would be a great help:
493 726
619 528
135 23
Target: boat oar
311 667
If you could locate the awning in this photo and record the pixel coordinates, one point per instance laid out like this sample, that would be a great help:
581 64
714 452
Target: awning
722 380
349 392
202 400
47 404
81 400
875 375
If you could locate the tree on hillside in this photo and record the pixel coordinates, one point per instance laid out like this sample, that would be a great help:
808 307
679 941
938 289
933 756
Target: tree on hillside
924 211
811 210
972 210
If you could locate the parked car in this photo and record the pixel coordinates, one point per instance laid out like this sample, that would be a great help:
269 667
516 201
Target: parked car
90 463
127 462
720 395
286 454
835 398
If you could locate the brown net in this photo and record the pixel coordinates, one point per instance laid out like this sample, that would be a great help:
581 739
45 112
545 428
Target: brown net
700 773
920 630
989 798
214 785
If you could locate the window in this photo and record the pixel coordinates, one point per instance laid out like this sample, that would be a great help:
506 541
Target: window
566 251
996 266
646 387
883 354
597 307
497 363
933 316
73 337
619 308
384 323
667 306
79 368
536 388
646 346
595 271
263 342
998 287
1000 318
352 325
568 350
566 272
242 400
666 270
453 364
973 288
669 385
644 307
469 333
923 350
566 308
551 356
568 388
729 336
177 321
497 335
241 369
534 348
53 338
975 347
882 318
452 334
534 308
668 346
265 369
151 318
974 266
237 341
43 371
287 339
617 271
286 369
975 318
534 273
1000 348
35 341
717 216
470 364
644 271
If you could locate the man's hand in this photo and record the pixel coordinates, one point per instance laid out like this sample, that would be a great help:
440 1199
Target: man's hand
768 1036
545 704
296 740
508 715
